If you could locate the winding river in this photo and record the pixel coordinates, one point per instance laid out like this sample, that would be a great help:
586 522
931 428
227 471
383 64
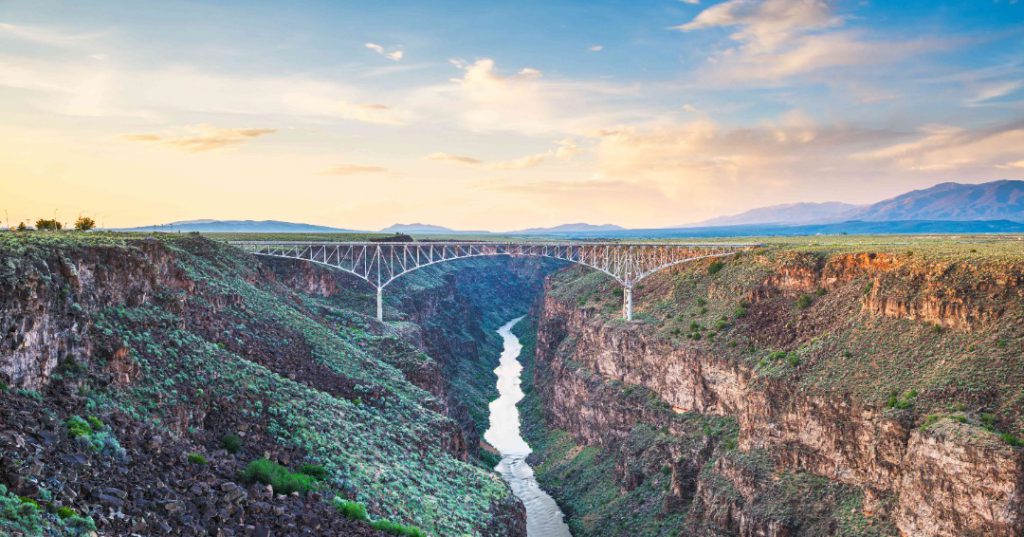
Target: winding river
543 516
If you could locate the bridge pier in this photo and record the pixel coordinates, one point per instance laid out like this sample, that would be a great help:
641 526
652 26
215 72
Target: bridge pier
627 302
380 304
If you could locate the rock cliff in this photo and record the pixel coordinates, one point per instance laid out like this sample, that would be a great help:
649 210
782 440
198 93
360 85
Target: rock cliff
795 347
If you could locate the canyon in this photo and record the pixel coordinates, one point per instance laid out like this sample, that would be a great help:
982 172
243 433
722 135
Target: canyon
802 389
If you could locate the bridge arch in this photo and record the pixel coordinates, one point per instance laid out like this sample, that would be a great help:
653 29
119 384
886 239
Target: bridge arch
380 263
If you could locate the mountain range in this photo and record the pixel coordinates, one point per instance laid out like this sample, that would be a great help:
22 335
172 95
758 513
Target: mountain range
996 206
995 200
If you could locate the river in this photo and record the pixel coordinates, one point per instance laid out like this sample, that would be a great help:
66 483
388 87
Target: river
543 516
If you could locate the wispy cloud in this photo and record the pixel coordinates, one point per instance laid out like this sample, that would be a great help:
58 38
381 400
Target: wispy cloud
353 169
947 147
201 138
44 35
455 159
393 55
595 48
777 39
993 91
564 150
100 89
766 25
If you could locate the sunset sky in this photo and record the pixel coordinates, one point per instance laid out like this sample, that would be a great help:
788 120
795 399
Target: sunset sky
476 115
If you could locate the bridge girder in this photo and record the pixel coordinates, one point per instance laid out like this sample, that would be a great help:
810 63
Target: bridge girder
380 263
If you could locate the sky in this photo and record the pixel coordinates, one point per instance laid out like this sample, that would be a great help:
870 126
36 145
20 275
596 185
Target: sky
498 115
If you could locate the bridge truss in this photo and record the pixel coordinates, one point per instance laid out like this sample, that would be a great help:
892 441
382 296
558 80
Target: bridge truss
380 263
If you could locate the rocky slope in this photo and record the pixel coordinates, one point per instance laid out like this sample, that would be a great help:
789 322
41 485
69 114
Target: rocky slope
142 377
870 393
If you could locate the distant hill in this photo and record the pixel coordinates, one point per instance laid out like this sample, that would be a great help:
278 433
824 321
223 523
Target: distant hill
569 228
425 228
996 200
239 226
789 213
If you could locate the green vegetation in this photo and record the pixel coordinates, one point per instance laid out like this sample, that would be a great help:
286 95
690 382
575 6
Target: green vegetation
196 458
282 479
395 528
232 443
356 511
901 402
804 301
351 509
25 516
314 470
93 432
715 267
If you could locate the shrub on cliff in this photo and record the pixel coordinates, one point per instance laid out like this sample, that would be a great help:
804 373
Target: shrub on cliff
232 443
351 509
395 528
715 267
282 479
315 471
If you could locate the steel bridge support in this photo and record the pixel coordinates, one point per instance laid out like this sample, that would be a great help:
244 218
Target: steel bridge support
627 302
379 263
380 304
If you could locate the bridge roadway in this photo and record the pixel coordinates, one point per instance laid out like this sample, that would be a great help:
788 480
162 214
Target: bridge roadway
380 263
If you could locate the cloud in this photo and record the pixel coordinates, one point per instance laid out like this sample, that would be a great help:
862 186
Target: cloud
526 101
946 147
455 159
106 89
353 169
564 150
567 149
43 35
596 48
995 91
369 113
200 138
776 39
522 163
393 55
765 24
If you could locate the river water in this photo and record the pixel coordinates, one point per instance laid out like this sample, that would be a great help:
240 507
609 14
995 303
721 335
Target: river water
543 516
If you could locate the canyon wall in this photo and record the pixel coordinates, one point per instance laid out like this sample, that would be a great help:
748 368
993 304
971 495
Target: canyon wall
770 368
126 363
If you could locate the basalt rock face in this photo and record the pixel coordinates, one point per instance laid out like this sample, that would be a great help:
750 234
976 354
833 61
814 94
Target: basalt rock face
127 362
799 414
45 302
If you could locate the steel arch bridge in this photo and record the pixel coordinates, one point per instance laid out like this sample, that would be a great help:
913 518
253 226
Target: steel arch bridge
380 263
